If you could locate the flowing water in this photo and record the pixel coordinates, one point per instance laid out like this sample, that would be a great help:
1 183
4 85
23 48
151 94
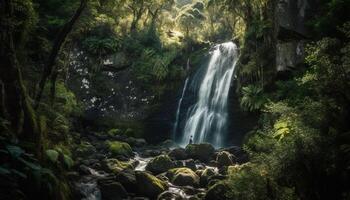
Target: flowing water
179 108
206 120
88 187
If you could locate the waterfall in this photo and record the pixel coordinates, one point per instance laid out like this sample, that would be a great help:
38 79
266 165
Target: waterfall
179 108
206 120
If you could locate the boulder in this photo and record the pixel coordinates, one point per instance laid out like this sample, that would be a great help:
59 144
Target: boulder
127 178
150 153
203 151
183 177
149 185
224 158
136 142
217 192
114 165
169 144
160 164
206 175
240 155
85 149
112 190
117 148
178 154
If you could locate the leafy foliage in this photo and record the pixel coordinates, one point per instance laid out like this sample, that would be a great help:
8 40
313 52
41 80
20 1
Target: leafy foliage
253 98
22 176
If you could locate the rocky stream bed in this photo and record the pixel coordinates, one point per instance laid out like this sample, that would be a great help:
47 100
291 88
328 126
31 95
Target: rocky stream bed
118 167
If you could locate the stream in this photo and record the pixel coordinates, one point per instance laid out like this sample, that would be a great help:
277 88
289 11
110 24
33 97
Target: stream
88 187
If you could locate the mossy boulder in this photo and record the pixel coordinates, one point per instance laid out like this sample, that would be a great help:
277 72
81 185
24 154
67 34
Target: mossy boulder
217 192
114 132
85 149
224 158
202 152
117 148
160 164
116 166
149 185
183 177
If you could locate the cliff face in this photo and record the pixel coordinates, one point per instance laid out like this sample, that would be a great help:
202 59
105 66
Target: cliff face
291 17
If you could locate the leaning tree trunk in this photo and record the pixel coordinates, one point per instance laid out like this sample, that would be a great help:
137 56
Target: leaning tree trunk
18 109
49 68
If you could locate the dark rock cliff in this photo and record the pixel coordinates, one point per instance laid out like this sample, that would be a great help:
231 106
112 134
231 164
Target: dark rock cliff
291 19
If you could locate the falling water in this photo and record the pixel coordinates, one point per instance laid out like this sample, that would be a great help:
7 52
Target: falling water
179 108
206 119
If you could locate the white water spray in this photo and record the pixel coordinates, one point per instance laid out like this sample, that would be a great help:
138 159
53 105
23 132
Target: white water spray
179 108
206 119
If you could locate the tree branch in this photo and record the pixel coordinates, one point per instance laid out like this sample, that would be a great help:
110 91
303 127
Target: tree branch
67 28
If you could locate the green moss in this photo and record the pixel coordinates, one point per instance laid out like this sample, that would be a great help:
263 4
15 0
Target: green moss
160 164
182 170
156 181
150 185
119 148
85 148
114 132
116 166
183 176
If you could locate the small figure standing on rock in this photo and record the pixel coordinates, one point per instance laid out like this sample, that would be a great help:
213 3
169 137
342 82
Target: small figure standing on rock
191 140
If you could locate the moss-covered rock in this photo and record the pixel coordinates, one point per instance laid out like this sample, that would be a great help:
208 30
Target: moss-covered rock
117 148
149 185
202 151
224 158
160 164
116 166
85 149
183 177
114 132
217 192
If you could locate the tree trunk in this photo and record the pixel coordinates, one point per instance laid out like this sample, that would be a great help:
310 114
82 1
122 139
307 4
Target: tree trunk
67 28
19 110
136 18
53 87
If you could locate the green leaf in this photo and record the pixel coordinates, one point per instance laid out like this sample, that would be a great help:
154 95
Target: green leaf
52 155
14 151
31 165
68 161
4 171
18 173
